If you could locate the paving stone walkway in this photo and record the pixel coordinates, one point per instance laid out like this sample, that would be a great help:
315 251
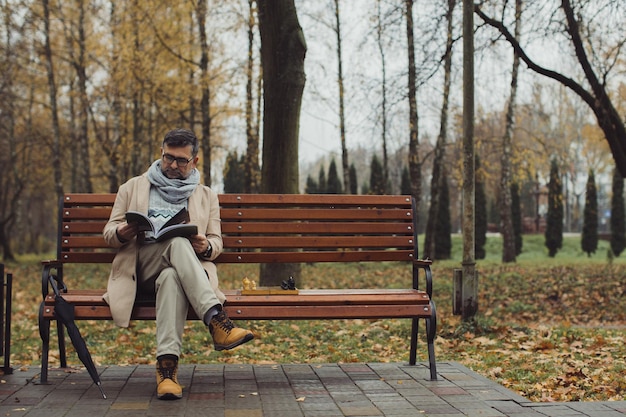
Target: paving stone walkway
285 390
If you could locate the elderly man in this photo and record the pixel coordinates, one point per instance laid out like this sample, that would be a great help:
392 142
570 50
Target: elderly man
178 271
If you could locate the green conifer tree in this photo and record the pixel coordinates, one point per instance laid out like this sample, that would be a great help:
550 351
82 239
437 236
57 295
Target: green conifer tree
589 238
554 222
333 184
493 215
234 173
353 180
377 178
480 201
321 181
443 227
516 216
618 225
311 185
405 182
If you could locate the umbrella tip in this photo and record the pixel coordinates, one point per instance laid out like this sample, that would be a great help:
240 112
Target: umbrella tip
101 390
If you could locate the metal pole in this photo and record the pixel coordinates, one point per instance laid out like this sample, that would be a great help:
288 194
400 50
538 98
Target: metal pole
7 338
2 292
470 284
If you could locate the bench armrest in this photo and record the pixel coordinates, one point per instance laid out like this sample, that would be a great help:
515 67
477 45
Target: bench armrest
52 274
424 265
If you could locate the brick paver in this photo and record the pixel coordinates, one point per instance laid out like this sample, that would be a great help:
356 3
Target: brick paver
289 390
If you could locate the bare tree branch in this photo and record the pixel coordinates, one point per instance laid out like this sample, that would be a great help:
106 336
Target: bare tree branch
597 99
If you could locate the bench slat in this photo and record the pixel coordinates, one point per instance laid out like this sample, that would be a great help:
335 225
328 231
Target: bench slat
267 199
315 199
87 257
324 312
301 214
297 242
236 214
89 198
309 304
87 213
94 227
312 256
272 312
306 241
304 297
267 257
241 227
79 242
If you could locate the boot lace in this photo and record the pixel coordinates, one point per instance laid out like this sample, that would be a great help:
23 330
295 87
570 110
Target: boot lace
224 322
167 369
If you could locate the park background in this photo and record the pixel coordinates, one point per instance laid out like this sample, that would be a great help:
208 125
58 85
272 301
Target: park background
89 88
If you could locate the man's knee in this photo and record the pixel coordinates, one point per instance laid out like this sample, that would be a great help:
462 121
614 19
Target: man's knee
180 243
166 275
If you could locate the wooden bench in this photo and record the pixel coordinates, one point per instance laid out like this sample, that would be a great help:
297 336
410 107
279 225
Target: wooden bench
305 228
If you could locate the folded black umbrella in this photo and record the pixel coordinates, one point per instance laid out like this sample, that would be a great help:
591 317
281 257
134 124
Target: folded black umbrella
64 312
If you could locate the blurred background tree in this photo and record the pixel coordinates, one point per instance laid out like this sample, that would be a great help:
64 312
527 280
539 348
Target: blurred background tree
589 239
554 225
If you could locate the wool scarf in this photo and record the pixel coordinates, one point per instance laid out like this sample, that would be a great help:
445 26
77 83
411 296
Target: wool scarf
172 190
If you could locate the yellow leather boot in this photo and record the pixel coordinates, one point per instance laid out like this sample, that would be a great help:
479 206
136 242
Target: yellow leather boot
225 334
168 387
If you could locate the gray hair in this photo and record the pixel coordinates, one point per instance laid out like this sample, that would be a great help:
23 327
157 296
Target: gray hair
179 138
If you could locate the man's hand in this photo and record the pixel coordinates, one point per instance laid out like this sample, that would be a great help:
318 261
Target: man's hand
127 231
200 243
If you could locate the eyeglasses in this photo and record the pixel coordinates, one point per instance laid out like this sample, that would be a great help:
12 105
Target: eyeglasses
181 162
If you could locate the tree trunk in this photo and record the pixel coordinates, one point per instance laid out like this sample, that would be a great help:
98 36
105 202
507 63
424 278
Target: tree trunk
137 167
342 117
52 91
506 214
5 243
282 53
72 130
116 105
251 161
383 107
415 165
437 178
10 183
74 94
205 115
84 177
192 82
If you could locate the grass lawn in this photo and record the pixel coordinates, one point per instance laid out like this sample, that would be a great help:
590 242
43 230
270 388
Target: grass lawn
551 329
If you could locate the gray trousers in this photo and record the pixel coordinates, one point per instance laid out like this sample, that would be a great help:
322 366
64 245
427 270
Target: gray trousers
172 270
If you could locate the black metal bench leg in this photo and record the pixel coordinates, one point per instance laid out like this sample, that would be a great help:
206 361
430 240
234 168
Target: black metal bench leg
44 333
413 351
62 353
431 333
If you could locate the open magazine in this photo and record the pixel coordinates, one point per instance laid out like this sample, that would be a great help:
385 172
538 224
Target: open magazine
175 227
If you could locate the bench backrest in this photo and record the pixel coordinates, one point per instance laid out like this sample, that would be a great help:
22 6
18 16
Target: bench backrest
269 228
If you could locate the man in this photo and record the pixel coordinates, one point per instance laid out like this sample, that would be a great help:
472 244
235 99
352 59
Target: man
179 271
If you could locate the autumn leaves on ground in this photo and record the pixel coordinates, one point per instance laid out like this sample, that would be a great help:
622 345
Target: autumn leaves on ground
549 329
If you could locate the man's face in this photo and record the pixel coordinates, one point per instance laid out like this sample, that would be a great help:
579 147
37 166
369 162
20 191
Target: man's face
173 162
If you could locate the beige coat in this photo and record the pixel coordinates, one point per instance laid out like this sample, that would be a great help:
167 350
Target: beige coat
134 195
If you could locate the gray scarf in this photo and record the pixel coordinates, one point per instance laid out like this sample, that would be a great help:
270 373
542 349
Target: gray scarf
176 190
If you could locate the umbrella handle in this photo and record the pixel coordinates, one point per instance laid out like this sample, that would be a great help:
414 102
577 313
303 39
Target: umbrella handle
55 288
